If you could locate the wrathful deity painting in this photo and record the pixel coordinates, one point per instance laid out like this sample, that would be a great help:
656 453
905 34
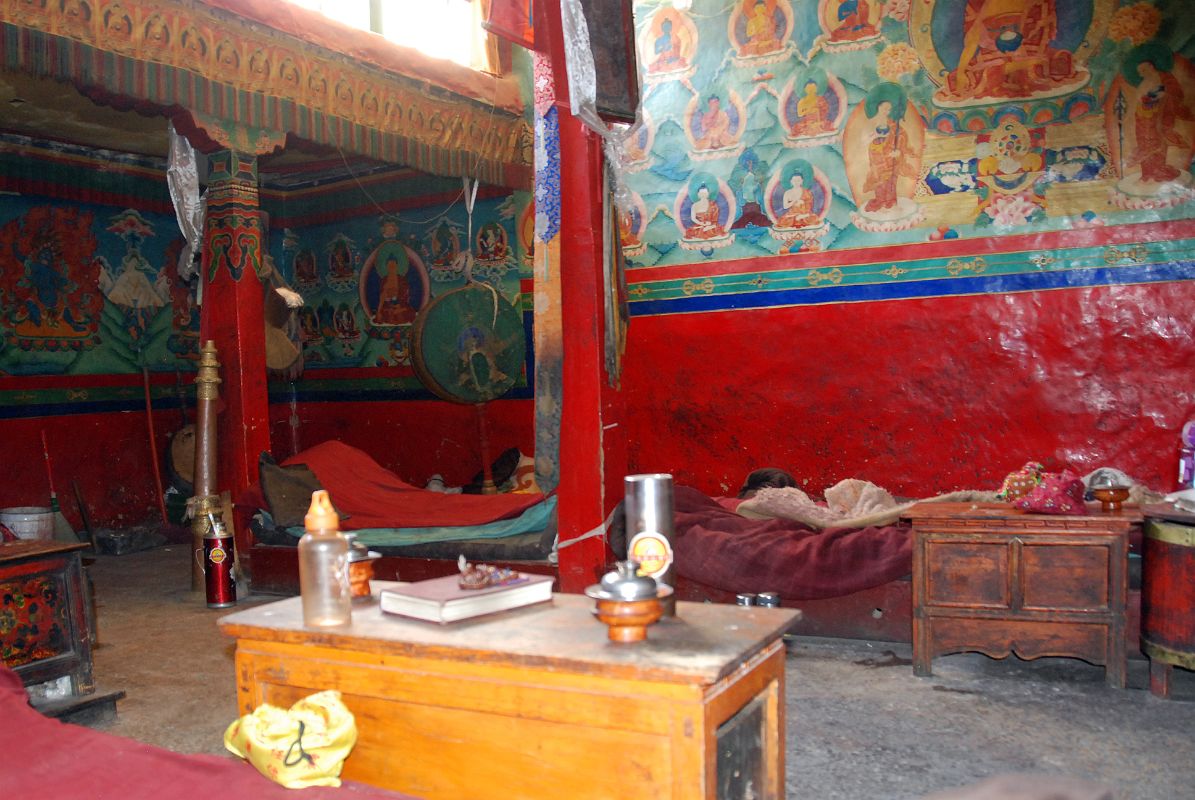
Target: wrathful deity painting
92 290
772 127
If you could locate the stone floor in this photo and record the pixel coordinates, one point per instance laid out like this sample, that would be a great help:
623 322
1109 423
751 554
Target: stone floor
860 725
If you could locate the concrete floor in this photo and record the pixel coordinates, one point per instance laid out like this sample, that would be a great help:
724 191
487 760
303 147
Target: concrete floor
860 725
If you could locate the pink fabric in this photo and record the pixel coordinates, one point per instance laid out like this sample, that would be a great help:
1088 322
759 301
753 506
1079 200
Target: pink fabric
718 548
50 759
1058 493
371 496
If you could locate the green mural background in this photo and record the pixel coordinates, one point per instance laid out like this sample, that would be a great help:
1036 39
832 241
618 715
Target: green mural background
772 127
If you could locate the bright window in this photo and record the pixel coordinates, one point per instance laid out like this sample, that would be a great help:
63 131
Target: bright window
438 28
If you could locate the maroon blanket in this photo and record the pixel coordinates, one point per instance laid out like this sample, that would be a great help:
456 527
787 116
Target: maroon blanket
42 757
370 496
718 548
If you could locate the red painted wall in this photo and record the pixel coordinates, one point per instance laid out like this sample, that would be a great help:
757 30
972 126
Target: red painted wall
918 396
108 454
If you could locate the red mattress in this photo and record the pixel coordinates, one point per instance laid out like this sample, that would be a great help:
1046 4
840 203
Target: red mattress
370 496
44 758
718 548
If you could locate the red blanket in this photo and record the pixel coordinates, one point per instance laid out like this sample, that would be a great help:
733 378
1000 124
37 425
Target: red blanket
371 496
42 757
719 548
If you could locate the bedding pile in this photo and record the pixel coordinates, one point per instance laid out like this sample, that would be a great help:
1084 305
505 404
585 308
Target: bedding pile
720 548
367 495
850 503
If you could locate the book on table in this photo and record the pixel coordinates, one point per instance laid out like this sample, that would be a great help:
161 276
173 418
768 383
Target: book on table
442 600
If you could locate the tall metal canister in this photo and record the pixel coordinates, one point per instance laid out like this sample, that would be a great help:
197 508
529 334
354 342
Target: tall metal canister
649 529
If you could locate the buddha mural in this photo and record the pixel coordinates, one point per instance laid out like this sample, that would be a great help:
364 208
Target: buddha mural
849 24
1151 128
882 146
394 282
982 52
759 31
715 125
798 198
811 108
668 46
703 212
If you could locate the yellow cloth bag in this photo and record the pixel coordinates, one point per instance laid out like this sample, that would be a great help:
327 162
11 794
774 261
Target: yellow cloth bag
302 746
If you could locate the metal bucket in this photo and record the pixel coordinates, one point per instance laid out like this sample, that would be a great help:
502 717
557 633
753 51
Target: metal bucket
35 523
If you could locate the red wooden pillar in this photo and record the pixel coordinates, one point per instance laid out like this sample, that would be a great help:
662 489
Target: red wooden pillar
231 315
592 445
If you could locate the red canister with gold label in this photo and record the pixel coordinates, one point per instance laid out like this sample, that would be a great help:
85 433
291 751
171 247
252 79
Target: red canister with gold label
217 567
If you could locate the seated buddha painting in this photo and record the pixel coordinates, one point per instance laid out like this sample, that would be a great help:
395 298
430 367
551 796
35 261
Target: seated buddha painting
811 108
989 51
759 30
798 197
704 210
714 124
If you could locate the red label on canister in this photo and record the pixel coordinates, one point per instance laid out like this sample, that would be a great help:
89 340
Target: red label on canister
217 568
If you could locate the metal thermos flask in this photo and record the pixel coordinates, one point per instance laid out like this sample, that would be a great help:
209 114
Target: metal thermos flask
649 529
218 549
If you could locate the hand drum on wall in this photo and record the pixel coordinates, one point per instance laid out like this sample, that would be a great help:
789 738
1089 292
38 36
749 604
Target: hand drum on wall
469 344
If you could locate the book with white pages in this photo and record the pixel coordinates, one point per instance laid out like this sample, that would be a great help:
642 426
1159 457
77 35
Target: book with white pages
443 600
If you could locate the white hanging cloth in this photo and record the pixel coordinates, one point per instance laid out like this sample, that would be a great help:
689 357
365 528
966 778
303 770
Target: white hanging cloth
182 178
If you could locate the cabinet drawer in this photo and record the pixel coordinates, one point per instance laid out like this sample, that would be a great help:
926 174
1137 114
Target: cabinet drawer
968 574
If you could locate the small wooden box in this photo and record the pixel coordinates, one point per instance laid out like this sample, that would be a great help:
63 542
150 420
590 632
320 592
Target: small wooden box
992 579
537 702
43 593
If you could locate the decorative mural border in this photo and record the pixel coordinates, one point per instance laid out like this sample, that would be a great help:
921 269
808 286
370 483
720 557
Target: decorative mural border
91 394
1144 253
246 87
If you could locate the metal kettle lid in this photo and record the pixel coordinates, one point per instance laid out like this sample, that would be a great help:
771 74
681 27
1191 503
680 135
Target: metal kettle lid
625 583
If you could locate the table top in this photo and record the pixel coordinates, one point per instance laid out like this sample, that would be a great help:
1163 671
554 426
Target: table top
704 642
1126 517
29 548
1169 512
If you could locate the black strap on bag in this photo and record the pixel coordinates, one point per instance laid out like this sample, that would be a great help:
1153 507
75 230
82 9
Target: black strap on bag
291 759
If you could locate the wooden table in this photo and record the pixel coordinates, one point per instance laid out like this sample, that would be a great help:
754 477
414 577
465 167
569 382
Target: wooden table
537 702
46 633
992 579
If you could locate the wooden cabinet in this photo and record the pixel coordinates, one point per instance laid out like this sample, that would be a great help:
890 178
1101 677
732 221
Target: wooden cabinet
537 702
45 627
992 579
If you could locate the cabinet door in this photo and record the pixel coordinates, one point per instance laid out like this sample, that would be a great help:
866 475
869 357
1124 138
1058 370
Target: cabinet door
966 573
1066 576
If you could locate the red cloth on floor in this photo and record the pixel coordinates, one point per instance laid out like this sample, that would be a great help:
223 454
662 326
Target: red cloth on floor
42 757
371 496
718 548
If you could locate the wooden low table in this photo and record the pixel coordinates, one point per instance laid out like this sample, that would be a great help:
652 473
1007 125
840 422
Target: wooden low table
537 702
992 579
